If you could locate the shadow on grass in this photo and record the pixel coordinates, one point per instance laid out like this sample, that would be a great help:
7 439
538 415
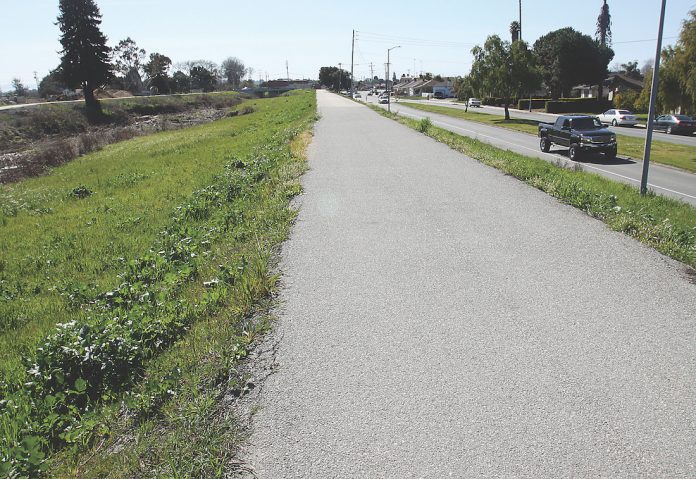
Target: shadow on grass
516 121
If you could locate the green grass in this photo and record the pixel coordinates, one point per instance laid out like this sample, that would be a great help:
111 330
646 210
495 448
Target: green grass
680 156
21 126
665 224
216 196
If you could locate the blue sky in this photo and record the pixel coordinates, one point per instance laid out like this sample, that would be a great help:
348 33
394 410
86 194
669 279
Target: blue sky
434 36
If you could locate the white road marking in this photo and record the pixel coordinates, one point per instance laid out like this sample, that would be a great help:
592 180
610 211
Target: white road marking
584 165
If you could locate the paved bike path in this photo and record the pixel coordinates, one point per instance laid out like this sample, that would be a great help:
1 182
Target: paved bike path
441 319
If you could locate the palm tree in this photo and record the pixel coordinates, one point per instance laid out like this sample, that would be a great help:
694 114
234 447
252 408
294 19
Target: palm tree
603 34
515 31
604 25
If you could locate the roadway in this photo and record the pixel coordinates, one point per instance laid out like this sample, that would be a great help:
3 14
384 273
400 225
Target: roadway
549 117
663 180
438 318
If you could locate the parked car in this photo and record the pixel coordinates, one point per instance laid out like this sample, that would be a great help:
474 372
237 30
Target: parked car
618 118
357 95
438 95
675 124
383 98
475 102
580 134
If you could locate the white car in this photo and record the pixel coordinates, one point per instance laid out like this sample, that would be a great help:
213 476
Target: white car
618 118
474 102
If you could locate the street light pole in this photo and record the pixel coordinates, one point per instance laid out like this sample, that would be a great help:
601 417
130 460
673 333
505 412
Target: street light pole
388 88
651 109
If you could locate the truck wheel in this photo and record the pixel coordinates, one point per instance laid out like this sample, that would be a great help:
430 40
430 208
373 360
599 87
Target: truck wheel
574 152
544 144
611 154
669 130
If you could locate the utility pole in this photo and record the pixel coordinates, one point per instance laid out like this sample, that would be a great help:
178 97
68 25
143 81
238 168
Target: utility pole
372 75
387 79
520 35
651 110
287 70
352 53
340 71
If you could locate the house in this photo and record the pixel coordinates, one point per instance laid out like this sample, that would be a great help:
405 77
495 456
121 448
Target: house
406 85
429 87
615 82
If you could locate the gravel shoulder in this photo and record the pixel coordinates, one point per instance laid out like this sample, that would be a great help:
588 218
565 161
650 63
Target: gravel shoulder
440 319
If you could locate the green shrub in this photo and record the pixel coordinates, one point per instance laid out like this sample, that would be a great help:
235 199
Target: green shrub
626 100
81 192
537 103
578 105
424 124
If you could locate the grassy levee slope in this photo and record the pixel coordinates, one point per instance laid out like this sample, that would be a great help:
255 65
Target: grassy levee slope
665 224
680 156
112 259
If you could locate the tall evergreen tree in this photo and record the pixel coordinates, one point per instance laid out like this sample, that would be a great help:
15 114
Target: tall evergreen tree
604 25
603 35
85 56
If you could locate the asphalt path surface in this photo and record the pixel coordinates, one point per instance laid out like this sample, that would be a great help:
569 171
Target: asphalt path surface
549 117
442 319
663 180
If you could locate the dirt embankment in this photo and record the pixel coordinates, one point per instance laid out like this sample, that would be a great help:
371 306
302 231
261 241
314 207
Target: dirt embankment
34 140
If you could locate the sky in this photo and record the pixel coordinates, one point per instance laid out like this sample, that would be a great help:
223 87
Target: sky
434 37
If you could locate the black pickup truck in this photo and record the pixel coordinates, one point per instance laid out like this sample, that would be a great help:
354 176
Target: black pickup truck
580 133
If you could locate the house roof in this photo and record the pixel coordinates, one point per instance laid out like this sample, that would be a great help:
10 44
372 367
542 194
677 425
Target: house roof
412 84
616 77
621 77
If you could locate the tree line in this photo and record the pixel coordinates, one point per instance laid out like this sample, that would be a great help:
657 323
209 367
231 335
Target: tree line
558 60
88 63
564 58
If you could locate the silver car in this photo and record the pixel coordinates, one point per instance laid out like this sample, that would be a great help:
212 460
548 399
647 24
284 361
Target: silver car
618 118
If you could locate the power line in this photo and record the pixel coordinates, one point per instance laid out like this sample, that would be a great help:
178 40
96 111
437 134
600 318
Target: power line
646 40
411 41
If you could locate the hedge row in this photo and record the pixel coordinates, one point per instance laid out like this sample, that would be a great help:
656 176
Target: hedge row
578 105
537 103
493 101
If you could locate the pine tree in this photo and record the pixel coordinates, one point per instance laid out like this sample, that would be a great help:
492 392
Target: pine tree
85 56
603 35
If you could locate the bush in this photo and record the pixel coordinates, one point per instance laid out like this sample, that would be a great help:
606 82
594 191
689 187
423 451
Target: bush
425 124
494 101
537 103
578 105
626 100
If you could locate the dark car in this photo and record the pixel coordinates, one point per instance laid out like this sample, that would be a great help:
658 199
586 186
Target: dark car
439 95
580 134
675 124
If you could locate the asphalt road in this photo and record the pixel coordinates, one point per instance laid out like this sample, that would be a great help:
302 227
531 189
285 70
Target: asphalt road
441 319
536 116
661 179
